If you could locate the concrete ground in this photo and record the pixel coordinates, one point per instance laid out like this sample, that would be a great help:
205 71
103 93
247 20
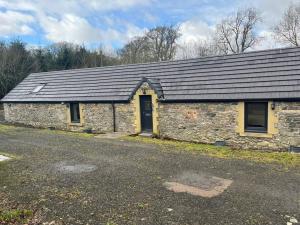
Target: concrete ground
74 179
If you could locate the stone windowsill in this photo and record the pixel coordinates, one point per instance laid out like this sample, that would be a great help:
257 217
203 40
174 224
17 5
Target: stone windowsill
253 134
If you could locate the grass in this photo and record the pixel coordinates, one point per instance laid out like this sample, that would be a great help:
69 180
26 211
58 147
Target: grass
71 133
15 216
10 128
5 128
284 158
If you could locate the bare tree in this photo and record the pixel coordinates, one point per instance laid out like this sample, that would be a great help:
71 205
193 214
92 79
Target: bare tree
236 33
196 49
287 30
136 51
162 42
158 44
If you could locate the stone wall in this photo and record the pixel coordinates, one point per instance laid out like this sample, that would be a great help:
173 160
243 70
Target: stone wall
37 115
98 117
125 118
197 122
1 112
211 122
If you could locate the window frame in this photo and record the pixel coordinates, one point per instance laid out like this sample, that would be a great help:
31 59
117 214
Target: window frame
71 106
256 129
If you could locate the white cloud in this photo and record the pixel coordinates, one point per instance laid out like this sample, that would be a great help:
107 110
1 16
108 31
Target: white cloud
70 28
98 21
267 41
114 4
194 31
15 23
68 20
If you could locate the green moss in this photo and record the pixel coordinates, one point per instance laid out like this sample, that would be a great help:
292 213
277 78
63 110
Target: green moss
15 216
6 128
284 158
10 128
71 133
110 222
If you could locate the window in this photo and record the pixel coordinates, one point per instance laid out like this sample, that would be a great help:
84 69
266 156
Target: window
256 117
75 112
38 88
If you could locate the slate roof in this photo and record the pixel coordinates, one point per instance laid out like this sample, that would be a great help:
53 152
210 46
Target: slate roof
269 74
154 83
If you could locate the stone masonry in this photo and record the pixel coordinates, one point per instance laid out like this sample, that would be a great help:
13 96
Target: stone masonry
98 117
211 122
197 122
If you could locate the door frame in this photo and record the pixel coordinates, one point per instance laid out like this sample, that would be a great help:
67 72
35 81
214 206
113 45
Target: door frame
150 130
136 106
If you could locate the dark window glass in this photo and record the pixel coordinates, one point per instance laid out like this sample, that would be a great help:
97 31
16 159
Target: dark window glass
256 116
75 113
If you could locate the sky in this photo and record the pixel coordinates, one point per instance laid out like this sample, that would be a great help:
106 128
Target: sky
112 23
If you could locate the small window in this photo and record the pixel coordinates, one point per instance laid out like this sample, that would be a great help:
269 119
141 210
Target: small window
38 88
256 117
75 112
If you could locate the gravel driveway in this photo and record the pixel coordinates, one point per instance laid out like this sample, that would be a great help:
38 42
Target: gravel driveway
84 180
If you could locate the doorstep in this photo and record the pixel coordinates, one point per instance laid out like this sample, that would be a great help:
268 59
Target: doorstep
145 134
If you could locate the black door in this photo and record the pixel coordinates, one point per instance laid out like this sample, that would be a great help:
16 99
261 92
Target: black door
146 112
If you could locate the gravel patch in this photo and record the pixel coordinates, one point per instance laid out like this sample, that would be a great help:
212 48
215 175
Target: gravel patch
85 180
66 167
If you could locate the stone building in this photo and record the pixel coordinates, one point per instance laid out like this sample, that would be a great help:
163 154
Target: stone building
248 101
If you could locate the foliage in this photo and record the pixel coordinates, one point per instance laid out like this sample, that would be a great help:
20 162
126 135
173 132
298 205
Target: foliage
17 61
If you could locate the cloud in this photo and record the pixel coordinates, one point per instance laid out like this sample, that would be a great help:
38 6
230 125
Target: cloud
194 31
105 5
15 23
72 21
70 28
114 22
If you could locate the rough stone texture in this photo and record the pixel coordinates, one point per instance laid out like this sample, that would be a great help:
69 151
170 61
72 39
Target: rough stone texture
37 115
98 117
197 122
289 123
125 118
211 122
1 115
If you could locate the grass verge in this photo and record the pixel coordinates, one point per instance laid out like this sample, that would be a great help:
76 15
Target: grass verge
15 216
5 128
10 128
284 158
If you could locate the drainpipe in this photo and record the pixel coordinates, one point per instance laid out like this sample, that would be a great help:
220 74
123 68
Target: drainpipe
114 115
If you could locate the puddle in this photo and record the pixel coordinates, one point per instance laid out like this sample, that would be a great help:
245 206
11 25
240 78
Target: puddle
3 158
198 184
66 167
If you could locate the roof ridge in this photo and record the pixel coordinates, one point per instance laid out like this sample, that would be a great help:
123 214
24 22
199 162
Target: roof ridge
133 65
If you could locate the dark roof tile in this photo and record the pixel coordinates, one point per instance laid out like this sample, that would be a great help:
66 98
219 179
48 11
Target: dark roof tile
269 74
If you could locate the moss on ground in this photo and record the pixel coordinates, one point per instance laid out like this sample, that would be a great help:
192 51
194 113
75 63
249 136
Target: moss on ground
71 133
5 128
284 158
15 216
